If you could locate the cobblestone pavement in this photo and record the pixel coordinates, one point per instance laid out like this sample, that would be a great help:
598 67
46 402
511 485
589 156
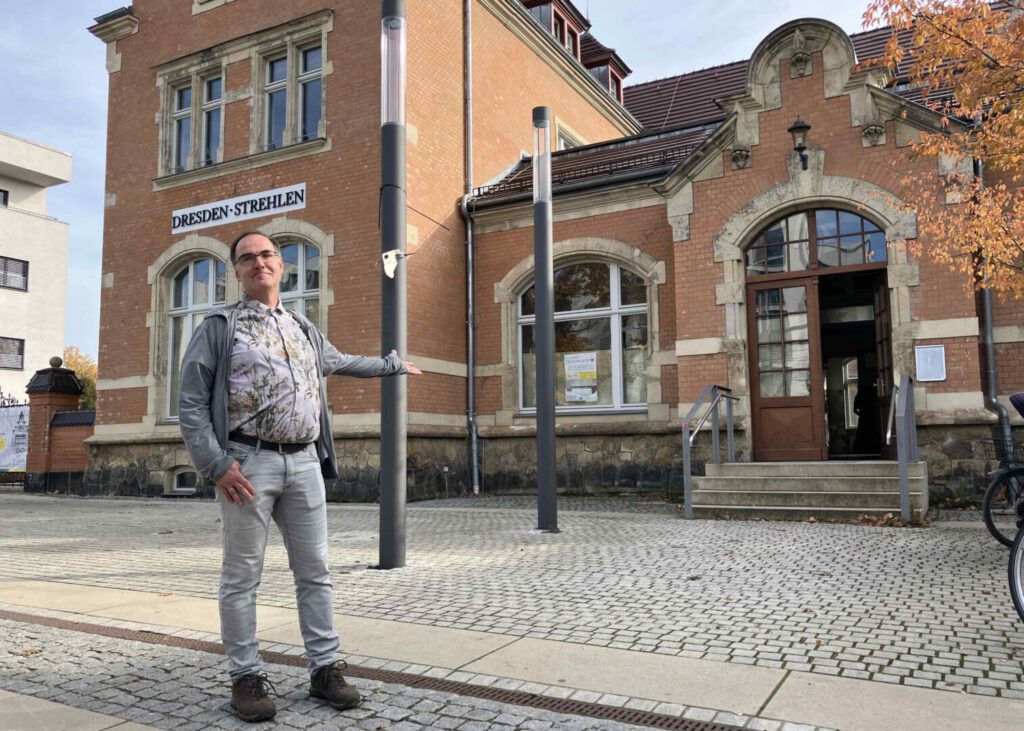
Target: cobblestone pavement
181 689
922 607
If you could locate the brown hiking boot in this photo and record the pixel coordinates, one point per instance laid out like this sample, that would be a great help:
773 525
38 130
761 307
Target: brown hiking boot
328 683
251 699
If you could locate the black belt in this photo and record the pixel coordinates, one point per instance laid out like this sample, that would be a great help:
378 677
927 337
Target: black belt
279 447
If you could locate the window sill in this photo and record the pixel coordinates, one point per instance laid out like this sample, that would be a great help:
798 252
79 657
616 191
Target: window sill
249 162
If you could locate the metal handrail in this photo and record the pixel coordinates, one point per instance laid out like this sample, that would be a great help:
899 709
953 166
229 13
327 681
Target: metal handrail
903 414
717 394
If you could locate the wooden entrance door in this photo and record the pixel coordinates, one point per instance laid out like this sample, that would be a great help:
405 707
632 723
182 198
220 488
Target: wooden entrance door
787 383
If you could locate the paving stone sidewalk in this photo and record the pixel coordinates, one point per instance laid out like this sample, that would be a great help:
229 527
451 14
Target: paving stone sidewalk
185 690
923 607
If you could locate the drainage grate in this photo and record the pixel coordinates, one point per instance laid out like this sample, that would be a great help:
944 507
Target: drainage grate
513 697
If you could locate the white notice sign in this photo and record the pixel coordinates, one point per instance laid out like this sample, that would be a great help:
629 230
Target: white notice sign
580 377
254 205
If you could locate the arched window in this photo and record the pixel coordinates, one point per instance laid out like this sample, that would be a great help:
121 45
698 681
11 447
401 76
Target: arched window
195 289
300 285
816 239
601 342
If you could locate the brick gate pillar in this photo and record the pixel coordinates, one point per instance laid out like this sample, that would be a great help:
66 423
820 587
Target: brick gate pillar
51 390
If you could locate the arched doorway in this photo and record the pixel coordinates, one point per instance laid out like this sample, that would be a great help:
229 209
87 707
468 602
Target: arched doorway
820 336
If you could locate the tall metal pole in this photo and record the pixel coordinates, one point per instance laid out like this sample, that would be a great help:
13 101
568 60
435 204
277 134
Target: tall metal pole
544 327
393 406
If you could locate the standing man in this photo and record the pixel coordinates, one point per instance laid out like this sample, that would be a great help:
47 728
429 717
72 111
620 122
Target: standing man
253 413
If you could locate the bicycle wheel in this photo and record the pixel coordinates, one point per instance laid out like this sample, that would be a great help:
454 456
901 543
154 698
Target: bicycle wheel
1017 574
998 510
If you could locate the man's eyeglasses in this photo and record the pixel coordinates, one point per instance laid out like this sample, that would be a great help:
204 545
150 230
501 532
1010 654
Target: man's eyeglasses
266 255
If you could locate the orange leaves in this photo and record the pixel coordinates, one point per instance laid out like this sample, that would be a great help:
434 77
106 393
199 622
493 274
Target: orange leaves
969 60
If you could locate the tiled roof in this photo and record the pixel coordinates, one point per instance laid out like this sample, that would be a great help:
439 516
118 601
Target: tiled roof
55 380
73 418
593 52
650 153
689 99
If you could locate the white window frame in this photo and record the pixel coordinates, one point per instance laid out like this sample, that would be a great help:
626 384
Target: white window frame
615 312
291 50
194 79
304 78
296 299
188 312
209 106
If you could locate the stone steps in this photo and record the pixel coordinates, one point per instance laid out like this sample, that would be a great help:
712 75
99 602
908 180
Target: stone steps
802 490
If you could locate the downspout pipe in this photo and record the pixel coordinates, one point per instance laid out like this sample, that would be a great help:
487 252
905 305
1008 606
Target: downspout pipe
991 384
464 207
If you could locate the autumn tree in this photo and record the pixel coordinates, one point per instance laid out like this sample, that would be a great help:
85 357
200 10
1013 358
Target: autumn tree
967 58
85 368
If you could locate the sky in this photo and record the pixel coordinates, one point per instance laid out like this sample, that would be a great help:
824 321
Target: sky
55 91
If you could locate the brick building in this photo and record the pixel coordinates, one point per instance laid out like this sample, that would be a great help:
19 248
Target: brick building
692 245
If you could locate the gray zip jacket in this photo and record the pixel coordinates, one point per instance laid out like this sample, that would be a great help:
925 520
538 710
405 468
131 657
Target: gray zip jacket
203 402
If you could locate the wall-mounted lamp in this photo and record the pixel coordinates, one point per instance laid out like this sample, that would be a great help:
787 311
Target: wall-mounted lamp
799 131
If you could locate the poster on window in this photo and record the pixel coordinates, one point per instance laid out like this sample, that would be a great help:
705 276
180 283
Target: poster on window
13 438
580 377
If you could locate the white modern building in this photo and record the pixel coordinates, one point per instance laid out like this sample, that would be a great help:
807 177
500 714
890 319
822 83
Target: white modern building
33 261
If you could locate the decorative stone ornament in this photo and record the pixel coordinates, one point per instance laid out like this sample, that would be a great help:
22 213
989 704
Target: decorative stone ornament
741 158
800 60
873 132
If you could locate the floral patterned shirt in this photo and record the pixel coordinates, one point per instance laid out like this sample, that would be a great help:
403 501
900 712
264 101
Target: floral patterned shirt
273 387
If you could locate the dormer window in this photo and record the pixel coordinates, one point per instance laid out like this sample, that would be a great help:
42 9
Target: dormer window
562 20
615 86
558 28
572 43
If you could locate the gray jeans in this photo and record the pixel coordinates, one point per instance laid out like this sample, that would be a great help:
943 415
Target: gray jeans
289 489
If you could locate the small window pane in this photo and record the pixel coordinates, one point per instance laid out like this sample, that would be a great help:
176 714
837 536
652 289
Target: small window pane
769 329
769 357
776 258
212 141
634 359
185 480
201 283
175 356
311 59
775 234
771 385
826 223
183 99
877 251
582 287
221 292
797 227
851 250
849 223
528 302
797 356
795 299
311 109
276 114
277 69
828 254
312 310
633 291
213 89
798 383
769 301
529 367
755 261
290 280
181 287
312 268
182 142
796 326
799 256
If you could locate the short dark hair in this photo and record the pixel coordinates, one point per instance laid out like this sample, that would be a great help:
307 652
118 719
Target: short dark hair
237 241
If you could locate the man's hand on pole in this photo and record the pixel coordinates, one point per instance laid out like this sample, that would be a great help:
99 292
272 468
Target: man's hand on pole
411 368
234 485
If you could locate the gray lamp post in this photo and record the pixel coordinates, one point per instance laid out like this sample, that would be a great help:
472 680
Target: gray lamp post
544 325
393 402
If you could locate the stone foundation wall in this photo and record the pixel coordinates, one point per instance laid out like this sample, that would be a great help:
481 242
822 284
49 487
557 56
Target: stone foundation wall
606 464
